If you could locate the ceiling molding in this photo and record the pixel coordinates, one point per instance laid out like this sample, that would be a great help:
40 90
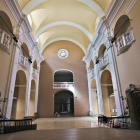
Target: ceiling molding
63 23
63 39
31 5
92 4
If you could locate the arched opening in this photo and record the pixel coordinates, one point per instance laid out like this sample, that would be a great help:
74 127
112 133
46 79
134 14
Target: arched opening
125 36
119 24
94 97
5 34
18 107
32 99
63 78
91 65
108 94
64 103
25 51
35 65
8 22
102 51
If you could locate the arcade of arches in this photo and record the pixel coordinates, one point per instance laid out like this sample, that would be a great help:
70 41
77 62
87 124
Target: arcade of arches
78 69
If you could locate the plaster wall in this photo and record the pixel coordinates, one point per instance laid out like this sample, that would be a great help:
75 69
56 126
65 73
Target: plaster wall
128 63
53 63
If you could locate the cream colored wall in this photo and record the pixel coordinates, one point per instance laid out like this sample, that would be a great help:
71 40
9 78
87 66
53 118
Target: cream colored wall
95 106
128 63
5 58
50 65
32 103
106 104
20 112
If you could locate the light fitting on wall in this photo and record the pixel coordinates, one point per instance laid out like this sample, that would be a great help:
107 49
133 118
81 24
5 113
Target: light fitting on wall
112 40
16 40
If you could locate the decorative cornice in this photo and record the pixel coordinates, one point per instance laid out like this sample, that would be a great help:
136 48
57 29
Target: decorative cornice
22 21
104 26
130 5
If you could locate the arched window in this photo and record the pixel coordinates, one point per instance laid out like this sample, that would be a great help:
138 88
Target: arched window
63 79
5 34
103 57
125 36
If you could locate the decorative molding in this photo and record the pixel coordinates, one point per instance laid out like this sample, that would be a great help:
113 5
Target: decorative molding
130 6
104 26
22 22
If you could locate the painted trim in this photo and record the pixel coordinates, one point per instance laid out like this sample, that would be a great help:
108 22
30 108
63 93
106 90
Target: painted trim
33 3
63 23
92 4
130 6
65 39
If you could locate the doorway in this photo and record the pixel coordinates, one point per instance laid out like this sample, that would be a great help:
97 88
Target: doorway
64 103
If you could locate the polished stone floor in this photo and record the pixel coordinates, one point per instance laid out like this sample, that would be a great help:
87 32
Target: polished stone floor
73 128
74 134
66 123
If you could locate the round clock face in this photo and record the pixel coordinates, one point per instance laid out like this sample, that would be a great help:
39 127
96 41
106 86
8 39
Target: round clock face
63 53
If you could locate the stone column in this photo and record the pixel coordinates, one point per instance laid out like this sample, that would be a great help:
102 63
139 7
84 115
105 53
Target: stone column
98 84
12 78
37 88
28 89
115 77
89 91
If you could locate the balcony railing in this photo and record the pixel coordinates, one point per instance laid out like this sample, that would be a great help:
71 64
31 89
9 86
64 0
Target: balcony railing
23 60
34 73
124 41
63 84
92 73
103 62
5 41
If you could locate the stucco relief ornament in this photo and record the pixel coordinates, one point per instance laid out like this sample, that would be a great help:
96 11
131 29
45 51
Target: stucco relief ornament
63 53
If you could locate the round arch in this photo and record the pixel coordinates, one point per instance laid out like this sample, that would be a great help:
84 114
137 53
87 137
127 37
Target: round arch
101 51
7 20
64 103
43 29
63 39
92 4
18 106
108 96
25 49
63 75
119 24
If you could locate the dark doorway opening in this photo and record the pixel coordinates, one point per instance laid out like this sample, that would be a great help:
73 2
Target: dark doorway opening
64 103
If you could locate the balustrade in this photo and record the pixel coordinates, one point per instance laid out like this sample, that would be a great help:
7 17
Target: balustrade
5 41
124 41
63 84
34 73
23 60
103 62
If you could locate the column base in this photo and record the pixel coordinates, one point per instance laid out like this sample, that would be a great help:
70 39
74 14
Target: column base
91 113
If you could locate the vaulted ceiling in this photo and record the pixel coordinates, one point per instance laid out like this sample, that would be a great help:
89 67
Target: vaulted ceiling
72 20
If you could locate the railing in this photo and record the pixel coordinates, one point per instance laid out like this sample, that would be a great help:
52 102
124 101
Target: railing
10 126
5 40
123 42
115 122
63 84
92 73
34 73
103 61
23 60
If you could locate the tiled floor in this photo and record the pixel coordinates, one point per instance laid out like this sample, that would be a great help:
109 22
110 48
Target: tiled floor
66 123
